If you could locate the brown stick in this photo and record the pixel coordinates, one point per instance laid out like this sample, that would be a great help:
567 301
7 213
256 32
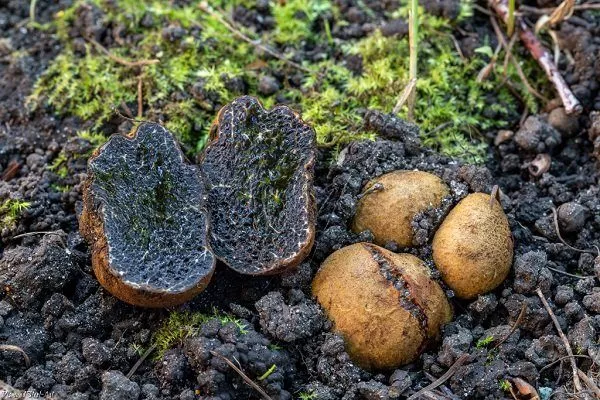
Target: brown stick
122 61
576 381
243 375
442 378
543 57
589 383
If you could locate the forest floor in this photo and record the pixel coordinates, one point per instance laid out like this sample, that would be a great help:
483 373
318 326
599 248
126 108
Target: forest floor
74 72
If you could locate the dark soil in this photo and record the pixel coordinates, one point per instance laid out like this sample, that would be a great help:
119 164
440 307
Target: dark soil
81 341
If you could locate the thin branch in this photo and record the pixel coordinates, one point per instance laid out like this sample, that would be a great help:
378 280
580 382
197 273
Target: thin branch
241 373
405 95
413 27
576 381
140 361
543 57
119 60
206 8
589 383
451 371
543 11
560 360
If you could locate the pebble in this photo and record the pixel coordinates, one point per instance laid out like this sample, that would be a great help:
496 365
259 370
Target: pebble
571 217
116 386
268 85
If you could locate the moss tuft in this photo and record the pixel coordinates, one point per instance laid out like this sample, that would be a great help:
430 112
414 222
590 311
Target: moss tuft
10 212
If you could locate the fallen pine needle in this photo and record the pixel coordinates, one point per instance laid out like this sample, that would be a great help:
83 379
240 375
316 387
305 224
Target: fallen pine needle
243 375
514 327
140 361
451 371
576 381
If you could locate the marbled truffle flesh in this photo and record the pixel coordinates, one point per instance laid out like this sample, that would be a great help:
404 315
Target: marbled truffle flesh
144 219
258 170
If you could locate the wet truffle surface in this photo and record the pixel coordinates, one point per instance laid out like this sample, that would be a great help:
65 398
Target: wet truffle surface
258 170
143 215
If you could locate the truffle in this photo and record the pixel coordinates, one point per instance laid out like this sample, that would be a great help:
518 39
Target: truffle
143 217
258 171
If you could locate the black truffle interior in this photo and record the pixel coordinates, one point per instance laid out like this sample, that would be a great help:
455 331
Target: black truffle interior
258 173
150 201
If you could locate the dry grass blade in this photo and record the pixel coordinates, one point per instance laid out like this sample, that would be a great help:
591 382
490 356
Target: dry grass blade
119 60
576 381
140 361
236 32
408 89
560 13
9 347
514 327
243 375
451 371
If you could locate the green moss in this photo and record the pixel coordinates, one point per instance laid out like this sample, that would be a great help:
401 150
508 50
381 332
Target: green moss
10 212
307 396
59 165
485 342
451 105
181 325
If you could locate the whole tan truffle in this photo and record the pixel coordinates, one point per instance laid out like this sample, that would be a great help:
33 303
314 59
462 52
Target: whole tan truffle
385 305
473 248
391 201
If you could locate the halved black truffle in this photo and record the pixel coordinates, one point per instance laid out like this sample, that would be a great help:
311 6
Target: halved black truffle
258 170
142 216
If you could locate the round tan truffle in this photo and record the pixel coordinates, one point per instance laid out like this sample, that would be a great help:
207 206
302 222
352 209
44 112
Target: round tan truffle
385 305
473 248
391 201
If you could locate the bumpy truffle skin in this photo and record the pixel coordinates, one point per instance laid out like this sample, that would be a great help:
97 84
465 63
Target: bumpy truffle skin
473 248
142 216
388 209
385 305
258 170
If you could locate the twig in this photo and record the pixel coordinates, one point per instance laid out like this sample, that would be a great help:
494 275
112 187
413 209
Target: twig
543 57
507 48
140 361
561 360
557 229
451 371
140 109
514 327
10 347
542 11
22 235
569 274
206 8
589 383
576 381
119 60
243 375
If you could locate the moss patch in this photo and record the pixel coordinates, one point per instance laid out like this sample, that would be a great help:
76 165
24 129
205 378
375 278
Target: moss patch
195 67
10 212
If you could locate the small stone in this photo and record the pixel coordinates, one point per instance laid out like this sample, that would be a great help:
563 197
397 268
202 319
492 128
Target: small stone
268 85
564 294
563 122
395 27
503 136
592 302
95 352
571 217
116 386
537 136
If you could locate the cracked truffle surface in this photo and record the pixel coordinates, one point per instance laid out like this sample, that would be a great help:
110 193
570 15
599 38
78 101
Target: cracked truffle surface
258 170
385 305
143 216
